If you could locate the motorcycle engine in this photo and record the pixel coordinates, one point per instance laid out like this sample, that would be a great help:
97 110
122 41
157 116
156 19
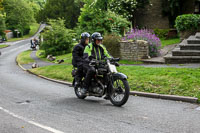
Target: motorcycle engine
97 88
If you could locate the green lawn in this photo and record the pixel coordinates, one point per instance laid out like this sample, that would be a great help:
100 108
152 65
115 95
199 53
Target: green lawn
34 28
68 59
25 58
172 81
127 62
59 72
3 46
166 42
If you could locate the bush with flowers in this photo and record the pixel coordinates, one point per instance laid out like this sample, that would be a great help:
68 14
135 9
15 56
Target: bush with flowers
147 35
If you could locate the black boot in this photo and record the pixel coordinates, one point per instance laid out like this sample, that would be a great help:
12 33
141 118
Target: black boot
107 97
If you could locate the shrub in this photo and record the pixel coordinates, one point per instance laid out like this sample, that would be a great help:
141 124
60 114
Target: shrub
26 30
187 22
161 33
147 35
111 41
57 39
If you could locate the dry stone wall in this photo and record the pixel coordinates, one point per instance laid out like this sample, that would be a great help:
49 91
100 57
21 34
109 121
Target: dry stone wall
134 50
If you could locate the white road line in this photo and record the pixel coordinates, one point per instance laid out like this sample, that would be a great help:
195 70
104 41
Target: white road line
31 122
14 49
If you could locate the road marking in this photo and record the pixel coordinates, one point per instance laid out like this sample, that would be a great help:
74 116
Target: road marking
31 122
14 49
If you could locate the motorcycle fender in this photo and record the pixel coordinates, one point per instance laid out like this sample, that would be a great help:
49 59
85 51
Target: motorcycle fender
120 75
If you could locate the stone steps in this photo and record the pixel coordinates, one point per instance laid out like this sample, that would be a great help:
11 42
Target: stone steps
193 40
184 46
197 35
188 51
169 59
178 52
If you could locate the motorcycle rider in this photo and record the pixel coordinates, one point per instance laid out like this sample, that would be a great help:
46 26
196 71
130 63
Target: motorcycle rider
94 50
77 54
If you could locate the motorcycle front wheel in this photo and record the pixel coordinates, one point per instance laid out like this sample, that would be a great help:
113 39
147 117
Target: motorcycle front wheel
78 93
120 91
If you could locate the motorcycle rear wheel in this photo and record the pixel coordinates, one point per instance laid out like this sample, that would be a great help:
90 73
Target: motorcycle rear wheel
120 87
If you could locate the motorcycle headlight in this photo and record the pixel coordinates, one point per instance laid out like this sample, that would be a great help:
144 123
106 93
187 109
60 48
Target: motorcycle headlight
112 68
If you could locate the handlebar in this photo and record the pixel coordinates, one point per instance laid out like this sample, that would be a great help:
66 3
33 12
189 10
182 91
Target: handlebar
95 62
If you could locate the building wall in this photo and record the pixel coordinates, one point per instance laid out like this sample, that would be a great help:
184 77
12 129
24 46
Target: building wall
9 35
188 6
151 17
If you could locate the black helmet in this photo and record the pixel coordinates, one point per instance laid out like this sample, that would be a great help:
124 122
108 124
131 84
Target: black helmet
84 36
96 36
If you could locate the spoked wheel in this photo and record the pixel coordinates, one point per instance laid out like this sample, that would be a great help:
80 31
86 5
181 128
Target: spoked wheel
78 92
120 92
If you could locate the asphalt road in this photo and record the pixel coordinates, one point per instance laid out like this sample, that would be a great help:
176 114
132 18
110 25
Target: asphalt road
29 104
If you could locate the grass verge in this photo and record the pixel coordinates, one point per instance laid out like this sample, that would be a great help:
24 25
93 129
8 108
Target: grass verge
166 42
34 28
59 72
68 59
172 81
3 46
127 62
25 58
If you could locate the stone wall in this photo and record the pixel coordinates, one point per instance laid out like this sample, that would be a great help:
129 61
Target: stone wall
134 50
151 17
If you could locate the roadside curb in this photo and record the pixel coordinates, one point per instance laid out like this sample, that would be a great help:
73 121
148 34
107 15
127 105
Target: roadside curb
134 93
5 47
166 97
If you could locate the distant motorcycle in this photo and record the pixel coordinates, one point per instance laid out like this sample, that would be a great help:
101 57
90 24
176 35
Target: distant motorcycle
33 45
107 81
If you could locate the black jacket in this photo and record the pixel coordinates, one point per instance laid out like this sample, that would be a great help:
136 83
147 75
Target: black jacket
77 54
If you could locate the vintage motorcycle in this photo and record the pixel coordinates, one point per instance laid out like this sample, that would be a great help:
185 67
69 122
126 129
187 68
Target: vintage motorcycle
107 81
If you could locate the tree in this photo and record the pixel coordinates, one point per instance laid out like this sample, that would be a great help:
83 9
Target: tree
96 17
67 9
2 25
127 8
19 15
36 6
57 39
1 6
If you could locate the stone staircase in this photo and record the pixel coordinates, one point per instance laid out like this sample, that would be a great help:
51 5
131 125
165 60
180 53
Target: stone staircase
188 51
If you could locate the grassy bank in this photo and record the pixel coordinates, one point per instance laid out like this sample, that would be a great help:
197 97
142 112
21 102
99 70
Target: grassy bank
59 72
33 29
166 42
3 46
68 58
172 81
25 58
